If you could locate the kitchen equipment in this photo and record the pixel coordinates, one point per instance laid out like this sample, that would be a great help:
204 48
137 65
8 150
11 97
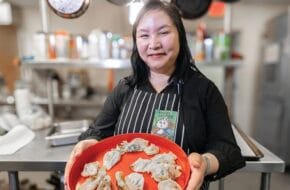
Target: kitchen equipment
62 39
23 98
208 47
105 45
40 41
273 106
2 131
94 38
69 8
192 9
120 2
64 133
78 47
229 1
222 48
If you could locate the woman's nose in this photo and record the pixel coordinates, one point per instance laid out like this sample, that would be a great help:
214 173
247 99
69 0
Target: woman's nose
154 43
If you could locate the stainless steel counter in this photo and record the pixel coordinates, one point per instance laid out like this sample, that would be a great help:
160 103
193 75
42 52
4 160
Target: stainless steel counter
36 156
270 163
39 156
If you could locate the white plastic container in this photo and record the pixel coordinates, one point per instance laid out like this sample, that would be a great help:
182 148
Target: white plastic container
94 44
40 42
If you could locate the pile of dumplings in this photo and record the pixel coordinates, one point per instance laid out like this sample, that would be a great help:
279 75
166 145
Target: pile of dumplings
162 168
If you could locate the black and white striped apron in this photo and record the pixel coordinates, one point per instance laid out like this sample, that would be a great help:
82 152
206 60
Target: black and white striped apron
138 112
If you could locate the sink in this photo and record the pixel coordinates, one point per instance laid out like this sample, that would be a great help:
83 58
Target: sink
64 133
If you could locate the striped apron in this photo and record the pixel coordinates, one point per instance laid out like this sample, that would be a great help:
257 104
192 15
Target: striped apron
137 115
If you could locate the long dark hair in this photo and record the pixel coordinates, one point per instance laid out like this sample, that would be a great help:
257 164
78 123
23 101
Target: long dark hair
184 60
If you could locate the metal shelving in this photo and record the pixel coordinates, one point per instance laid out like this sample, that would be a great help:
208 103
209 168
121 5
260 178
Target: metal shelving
61 102
78 63
218 63
109 63
71 102
72 63
212 65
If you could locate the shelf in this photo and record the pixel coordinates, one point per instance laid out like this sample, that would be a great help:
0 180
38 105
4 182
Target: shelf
5 103
218 63
71 102
9 100
78 63
110 63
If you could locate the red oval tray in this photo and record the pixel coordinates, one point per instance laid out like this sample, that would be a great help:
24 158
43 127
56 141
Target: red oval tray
97 151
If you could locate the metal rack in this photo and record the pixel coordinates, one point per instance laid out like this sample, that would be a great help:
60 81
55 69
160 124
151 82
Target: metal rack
109 63
223 69
78 63
47 64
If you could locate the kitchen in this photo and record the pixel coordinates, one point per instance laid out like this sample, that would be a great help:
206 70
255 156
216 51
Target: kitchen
247 17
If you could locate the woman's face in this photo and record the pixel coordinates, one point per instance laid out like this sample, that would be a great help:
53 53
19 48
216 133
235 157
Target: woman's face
157 41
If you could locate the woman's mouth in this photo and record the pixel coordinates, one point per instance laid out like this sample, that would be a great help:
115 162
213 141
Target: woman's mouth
156 55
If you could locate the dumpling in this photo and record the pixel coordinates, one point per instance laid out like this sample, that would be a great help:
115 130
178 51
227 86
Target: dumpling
105 184
99 181
168 185
135 181
90 169
151 150
89 184
121 181
163 171
101 175
111 158
136 145
165 158
160 172
141 165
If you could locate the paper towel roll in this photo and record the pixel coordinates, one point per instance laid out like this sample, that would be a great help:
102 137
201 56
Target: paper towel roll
22 101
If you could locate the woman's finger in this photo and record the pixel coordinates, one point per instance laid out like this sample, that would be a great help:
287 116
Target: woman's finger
77 150
195 160
197 174
194 181
191 184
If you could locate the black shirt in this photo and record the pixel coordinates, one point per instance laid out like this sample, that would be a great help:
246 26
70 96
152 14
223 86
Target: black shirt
205 115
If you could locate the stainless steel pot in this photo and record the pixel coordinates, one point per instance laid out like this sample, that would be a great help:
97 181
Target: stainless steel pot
191 9
69 8
120 2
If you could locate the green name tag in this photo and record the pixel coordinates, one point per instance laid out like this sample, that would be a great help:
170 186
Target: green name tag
164 123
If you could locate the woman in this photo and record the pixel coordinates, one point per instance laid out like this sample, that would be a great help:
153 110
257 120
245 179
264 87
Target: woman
166 84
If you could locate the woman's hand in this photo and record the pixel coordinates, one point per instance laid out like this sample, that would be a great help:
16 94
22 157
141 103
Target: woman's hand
198 167
77 150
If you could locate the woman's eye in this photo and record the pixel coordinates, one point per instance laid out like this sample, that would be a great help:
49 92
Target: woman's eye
164 32
143 36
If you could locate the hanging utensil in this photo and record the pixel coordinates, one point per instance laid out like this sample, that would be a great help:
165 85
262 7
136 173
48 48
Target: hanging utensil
191 9
69 8
120 2
229 1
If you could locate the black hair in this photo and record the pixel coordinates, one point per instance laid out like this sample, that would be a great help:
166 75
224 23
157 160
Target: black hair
184 60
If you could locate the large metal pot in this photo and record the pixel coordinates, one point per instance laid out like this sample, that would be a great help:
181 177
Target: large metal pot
229 1
191 9
120 2
69 8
